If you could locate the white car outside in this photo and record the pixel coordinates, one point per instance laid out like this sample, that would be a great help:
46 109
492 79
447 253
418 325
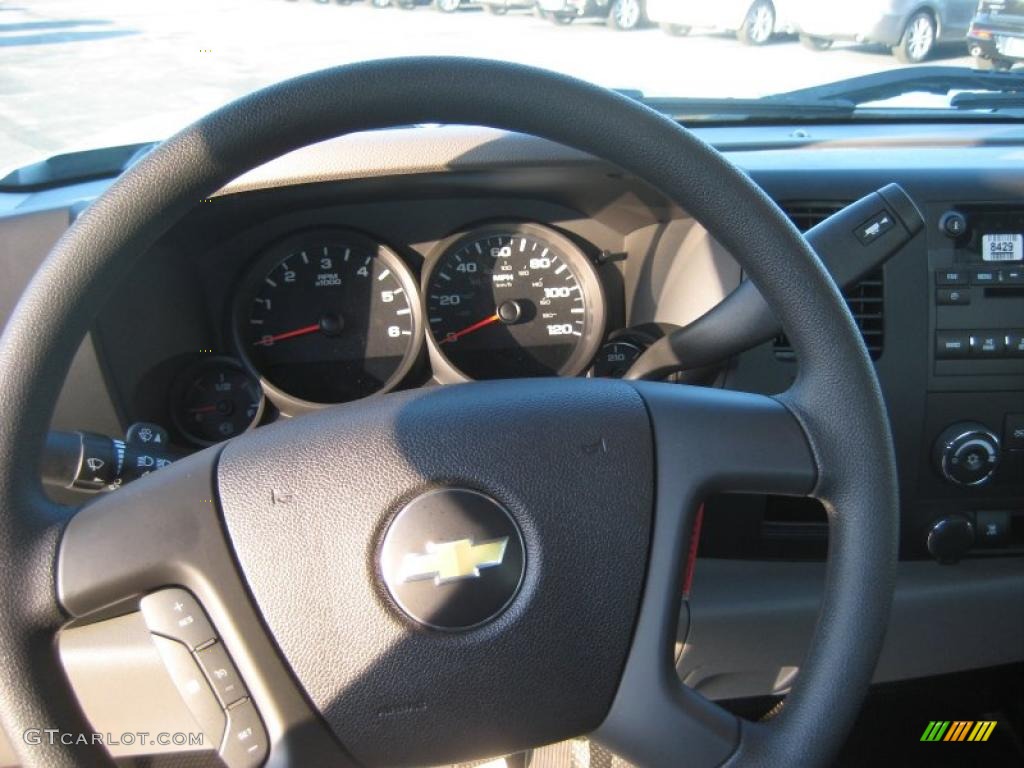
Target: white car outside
753 21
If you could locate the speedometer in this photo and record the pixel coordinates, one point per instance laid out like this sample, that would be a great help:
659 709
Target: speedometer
327 317
514 300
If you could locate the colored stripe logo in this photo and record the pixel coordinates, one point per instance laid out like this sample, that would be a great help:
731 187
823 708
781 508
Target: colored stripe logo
958 730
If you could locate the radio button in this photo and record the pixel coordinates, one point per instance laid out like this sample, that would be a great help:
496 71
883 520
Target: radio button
987 344
993 528
949 344
1015 343
1013 431
1013 276
951 277
984 277
953 296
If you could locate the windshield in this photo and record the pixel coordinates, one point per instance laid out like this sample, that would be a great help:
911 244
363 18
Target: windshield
81 75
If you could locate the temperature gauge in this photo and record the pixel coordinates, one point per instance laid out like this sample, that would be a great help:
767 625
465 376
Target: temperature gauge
215 400
614 359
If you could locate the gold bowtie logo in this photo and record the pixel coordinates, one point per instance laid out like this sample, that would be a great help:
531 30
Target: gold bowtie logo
453 560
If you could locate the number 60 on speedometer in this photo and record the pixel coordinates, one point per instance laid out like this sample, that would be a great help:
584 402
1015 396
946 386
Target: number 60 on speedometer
513 300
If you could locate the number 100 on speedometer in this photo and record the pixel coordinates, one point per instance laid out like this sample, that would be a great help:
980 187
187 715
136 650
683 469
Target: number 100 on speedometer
515 300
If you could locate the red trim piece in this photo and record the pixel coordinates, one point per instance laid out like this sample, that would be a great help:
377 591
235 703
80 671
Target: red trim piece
691 556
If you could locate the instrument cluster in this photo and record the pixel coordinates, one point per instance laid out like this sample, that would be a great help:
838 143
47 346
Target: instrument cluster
330 315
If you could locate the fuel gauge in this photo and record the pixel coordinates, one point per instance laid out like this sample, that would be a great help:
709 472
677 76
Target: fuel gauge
215 400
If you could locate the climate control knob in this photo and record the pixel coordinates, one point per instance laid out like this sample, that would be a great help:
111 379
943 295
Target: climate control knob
967 454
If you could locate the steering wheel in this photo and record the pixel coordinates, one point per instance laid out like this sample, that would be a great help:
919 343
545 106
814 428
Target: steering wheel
297 538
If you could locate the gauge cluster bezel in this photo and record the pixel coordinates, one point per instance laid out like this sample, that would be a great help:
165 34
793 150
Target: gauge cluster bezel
187 377
277 251
444 370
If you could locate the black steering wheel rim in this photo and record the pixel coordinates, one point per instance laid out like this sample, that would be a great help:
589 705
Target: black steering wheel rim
836 397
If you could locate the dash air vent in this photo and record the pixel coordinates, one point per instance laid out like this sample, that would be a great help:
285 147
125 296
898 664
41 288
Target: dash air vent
864 299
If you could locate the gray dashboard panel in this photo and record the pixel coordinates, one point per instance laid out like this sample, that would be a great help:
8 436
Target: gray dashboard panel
944 619
25 240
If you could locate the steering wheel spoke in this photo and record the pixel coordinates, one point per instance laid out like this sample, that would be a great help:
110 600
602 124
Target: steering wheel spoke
165 532
706 441
163 529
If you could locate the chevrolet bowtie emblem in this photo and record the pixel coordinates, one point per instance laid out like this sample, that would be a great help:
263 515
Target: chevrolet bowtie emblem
453 560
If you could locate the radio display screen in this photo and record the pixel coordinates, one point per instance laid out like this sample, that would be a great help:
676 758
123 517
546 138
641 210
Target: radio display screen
995 233
1002 247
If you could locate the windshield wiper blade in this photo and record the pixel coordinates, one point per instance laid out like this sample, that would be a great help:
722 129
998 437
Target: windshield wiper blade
898 82
711 110
987 100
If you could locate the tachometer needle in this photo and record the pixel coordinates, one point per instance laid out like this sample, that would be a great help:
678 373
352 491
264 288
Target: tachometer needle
469 329
266 341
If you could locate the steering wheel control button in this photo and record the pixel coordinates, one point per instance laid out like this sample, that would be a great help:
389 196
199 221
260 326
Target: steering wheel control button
174 613
245 740
193 688
221 672
453 559
967 454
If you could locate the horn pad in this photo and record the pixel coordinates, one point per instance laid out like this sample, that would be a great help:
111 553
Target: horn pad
514 517
453 559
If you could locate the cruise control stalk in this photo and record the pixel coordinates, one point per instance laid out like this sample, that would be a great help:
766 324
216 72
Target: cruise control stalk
851 243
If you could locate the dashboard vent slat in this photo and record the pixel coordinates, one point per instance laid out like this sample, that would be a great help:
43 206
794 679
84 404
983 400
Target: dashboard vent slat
866 299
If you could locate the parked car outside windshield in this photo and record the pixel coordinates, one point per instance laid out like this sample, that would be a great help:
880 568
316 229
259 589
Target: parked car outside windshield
754 22
910 28
996 37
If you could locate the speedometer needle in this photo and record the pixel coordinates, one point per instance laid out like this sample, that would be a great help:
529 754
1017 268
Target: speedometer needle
266 341
469 329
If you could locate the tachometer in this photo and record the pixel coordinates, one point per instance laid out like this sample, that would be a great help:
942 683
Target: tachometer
514 300
328 317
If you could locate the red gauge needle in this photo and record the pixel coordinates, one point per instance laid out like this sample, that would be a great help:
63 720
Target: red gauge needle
266 341
204 409
469 329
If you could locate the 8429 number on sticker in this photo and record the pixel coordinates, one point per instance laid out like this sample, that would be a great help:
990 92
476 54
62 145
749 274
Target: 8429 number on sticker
1002 247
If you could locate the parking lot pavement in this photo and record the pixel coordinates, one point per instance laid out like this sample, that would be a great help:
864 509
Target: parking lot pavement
77 75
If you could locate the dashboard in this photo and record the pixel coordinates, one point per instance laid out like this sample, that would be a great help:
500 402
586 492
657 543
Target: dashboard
325 315
294 299
430 256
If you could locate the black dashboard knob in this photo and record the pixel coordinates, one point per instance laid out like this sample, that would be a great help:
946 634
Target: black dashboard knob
967 454
953 224
949 538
